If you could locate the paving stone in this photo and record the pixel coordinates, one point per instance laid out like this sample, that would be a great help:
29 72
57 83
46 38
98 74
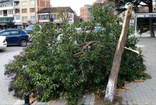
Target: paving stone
144 92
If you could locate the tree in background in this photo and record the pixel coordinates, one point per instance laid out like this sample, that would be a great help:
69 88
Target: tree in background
135 3
121 3
63 14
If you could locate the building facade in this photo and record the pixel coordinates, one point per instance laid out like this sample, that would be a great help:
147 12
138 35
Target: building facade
6 12
44 14
28 11
21 12
85 13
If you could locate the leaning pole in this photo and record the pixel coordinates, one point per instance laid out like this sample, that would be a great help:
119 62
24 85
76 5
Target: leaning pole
112 82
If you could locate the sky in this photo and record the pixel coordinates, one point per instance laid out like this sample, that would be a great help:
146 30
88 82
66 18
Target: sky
74 4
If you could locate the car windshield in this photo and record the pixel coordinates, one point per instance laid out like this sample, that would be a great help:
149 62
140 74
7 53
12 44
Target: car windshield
31 27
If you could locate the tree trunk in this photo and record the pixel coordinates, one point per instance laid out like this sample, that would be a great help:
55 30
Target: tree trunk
112 82
151 27
150 6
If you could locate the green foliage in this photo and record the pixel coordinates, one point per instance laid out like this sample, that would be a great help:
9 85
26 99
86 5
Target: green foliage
51 67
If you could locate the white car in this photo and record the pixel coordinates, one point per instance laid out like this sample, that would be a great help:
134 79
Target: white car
3 42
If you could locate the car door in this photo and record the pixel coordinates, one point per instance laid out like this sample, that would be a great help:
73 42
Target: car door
15 36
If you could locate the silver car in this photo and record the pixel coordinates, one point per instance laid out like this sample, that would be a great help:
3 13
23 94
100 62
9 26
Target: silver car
3 42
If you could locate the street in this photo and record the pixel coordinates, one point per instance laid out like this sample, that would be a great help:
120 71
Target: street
6 98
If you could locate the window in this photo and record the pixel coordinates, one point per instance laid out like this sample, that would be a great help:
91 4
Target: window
10 12
69 19
5 33
24 17
24 10
32 18
70 15
32 2
23 3
5 13
44 17
32 9
14 32
54 16
17 11
17 17
16 3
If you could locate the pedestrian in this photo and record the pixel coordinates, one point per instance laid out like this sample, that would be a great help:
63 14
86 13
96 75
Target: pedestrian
141 29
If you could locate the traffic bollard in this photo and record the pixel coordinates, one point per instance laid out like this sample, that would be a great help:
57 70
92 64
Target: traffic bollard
26 97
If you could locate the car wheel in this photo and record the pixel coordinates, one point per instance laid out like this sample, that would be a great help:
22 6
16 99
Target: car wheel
23 43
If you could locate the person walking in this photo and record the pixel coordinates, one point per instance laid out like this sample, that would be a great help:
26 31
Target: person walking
141 30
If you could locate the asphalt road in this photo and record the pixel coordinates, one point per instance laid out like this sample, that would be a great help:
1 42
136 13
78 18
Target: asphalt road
6 98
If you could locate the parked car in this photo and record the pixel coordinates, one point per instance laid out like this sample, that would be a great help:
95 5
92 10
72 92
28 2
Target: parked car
3 42
15 37
30 28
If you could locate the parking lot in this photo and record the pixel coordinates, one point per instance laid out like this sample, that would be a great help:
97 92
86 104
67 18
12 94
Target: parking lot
6 98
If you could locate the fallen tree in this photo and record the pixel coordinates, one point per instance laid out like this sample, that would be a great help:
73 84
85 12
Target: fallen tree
79 61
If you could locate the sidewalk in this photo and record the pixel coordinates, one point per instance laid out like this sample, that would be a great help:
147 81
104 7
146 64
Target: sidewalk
143 93
147 34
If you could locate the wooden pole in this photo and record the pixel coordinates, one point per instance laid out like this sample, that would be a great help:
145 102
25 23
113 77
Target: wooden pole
112 82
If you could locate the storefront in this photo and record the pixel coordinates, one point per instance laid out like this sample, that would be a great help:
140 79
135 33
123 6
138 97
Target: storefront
5 22
18 25
143 19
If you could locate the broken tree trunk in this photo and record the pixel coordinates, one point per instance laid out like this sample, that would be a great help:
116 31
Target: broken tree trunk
112 82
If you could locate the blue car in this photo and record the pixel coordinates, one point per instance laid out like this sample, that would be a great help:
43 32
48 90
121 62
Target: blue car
15 37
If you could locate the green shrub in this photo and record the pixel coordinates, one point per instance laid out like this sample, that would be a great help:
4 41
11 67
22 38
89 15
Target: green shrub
79 61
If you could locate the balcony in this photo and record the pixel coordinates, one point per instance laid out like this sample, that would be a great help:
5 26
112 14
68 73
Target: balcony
17 13
16 6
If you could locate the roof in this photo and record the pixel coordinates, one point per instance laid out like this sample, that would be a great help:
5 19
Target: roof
56 9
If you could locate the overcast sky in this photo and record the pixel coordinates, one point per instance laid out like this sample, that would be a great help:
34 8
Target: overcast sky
74 4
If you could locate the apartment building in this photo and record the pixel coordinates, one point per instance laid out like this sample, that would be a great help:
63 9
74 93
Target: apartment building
21 12
6 12
44 14
85 13
28 11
